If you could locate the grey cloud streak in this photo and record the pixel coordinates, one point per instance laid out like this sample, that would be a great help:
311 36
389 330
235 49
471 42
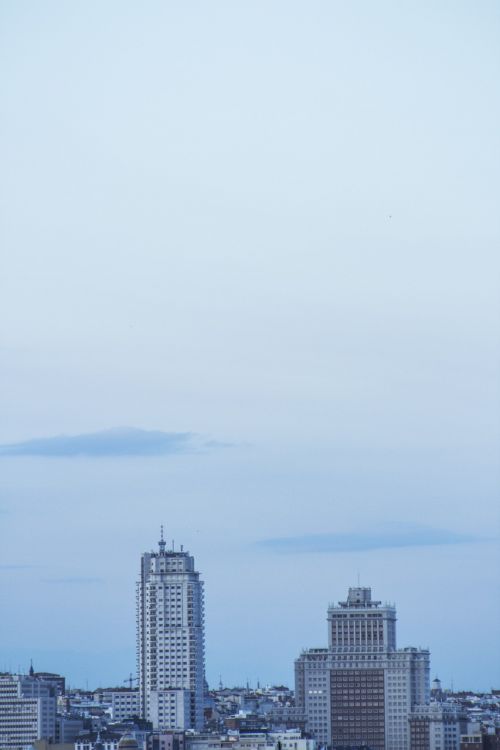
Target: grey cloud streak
71 580
406 536
125 441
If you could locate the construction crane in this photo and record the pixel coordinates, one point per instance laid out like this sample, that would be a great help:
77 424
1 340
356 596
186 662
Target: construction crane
130 680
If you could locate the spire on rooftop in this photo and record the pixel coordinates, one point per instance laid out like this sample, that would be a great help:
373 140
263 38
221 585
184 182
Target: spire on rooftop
162 542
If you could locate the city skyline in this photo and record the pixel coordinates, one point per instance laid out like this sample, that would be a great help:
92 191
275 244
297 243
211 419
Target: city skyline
167 550
249 290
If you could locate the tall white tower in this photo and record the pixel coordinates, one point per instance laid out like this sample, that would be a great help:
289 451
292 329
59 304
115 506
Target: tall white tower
170 639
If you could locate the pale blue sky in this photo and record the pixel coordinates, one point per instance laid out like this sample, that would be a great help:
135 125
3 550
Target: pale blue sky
271 228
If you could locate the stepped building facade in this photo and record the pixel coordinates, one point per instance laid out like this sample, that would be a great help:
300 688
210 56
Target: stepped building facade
361 690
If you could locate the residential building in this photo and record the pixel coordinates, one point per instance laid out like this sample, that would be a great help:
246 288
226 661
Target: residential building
122 703
46 745
127 737
170 639
68 728
56 679
436 727
361 689
27 711
96 743
257 741
482 741
173 740
471 741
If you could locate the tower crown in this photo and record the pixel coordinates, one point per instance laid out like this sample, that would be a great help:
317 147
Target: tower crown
360 596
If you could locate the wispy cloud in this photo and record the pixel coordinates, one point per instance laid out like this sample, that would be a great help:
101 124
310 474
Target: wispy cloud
17 567
74 580
125 441
405 536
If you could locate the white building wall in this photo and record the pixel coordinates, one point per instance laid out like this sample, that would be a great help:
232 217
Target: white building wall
170 709
124 704
398 704
316 686
170 639
87 745
288 740
27 711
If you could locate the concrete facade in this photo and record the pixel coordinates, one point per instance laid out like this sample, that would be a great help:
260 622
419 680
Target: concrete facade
436 727
27 711
170 640
123 703
361 689
255 741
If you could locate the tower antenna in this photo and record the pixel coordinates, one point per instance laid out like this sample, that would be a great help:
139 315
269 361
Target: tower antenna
161 543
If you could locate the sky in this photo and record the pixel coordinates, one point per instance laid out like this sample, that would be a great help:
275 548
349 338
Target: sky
249 290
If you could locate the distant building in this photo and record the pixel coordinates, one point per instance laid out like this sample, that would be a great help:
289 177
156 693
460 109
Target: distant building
170 640
68 728
174 740
101 741
128 742
471 742
482 741
287 717
361 690
256 741
436 689
245 723
46 745
86 743
53 678
123 703
27 711
436 727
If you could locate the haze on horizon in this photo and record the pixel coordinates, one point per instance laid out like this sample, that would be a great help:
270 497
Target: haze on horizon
249 290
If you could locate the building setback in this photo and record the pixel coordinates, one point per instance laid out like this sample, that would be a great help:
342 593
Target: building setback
170 640
361 690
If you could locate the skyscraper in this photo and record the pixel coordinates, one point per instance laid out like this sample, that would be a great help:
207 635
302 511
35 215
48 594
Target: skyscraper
170 639
361 689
